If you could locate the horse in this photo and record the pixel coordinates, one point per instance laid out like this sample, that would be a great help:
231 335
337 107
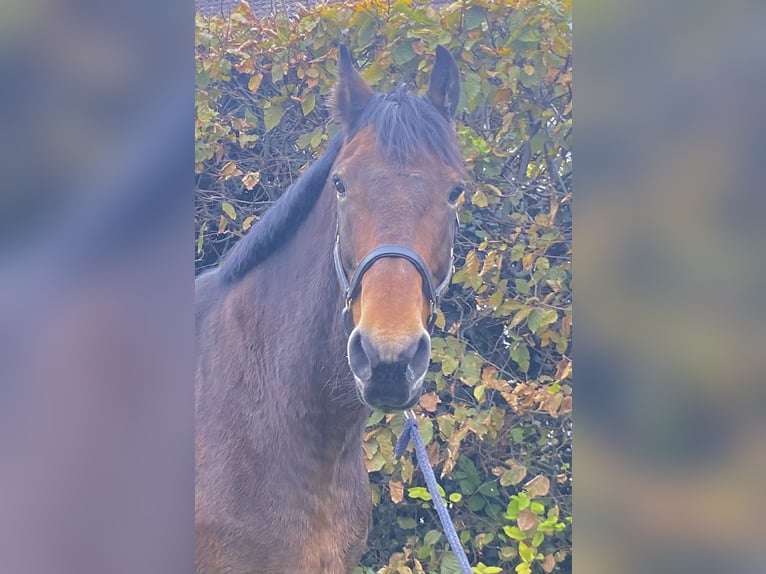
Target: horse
322 311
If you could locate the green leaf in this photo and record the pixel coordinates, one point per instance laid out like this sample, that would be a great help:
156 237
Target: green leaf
449 564
455 497
431 537
474 17
525 552
541 318
420 492
489 488
406 522
476 503
403 52
449 364
472 87
537 539
471 367
308 103
537 507
375 417
523 568
512 511
426 427
520 354
272 116
514 532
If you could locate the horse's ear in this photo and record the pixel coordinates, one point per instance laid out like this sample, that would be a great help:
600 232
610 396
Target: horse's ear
351 93
444 85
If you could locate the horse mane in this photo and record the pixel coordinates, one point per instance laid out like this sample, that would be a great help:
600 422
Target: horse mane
406 125
281 220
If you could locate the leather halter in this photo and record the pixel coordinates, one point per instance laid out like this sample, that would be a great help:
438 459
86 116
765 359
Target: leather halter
350 289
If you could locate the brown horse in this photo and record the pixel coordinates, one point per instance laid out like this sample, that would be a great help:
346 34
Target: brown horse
289 363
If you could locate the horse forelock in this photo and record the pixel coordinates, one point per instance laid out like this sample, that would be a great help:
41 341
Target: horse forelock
407 125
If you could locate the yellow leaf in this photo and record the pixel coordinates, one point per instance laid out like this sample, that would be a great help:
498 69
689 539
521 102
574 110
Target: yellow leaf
538 486
479 199
471 263
440 321
222 224
229 210
251 179
529 69
254 82
527 260
248 222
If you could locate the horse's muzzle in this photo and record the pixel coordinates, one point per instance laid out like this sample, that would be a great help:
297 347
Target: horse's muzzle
390 377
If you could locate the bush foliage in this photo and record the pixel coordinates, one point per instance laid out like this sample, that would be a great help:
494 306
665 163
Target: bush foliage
497 413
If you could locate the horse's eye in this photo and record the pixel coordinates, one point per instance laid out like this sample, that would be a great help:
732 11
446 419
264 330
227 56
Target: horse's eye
339 187
455 194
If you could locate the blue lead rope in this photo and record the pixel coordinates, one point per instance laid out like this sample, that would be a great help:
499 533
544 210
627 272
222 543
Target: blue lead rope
410 432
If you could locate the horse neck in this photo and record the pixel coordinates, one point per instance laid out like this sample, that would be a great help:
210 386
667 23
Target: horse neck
307 335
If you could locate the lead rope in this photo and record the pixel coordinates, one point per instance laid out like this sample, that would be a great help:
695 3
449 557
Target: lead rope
410 432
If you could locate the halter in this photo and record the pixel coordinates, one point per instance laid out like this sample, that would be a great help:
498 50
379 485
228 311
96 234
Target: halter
351 288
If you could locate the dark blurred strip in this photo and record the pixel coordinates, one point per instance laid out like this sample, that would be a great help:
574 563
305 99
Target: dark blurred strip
96 288
670 272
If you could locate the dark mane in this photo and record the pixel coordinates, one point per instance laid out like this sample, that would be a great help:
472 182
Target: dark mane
407 125
281 219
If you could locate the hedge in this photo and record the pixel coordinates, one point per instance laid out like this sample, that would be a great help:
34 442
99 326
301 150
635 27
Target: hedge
497 411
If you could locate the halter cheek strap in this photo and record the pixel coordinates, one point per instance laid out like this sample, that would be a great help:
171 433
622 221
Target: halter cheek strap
433 294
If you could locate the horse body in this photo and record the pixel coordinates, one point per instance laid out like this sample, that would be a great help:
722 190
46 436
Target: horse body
278 476
289 363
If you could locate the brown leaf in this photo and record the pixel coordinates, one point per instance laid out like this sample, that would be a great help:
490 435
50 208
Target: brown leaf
527 519
251 179
429 401
397 491
538 486
553 403
229 170
563 368
548 563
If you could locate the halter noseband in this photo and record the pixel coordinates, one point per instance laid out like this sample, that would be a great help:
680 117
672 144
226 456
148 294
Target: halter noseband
393 251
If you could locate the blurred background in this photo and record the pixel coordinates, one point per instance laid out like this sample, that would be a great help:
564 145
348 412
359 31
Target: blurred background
670 263
96 287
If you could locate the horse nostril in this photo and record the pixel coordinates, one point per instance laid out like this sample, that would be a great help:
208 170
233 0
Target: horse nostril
358 359
418 356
